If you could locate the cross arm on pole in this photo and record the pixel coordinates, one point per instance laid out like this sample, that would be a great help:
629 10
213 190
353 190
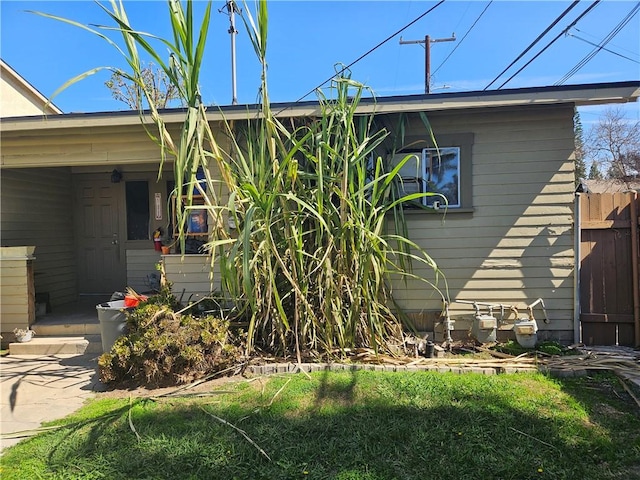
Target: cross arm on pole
427 55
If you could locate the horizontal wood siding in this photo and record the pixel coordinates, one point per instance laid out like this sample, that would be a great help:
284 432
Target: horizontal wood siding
109 147
191 276
140 264
518 243
37 210
17 296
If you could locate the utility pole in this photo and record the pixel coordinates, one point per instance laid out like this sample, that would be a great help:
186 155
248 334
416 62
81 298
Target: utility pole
231 10
427 55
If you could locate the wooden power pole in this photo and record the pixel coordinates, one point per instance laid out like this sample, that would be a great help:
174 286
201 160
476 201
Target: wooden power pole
427 55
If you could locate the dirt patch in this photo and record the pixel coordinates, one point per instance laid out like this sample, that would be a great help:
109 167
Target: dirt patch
146 392
608 410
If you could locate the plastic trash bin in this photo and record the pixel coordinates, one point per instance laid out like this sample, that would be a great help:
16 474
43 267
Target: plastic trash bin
113 322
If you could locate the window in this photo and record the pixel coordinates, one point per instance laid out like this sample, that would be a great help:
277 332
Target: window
445 170
442 171
137 198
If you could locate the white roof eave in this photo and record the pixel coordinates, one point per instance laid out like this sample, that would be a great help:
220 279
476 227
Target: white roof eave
595 94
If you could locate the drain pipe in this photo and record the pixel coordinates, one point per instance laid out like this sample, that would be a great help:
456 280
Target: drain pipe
635 255
577 239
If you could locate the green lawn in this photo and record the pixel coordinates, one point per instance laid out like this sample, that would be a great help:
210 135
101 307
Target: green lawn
351 425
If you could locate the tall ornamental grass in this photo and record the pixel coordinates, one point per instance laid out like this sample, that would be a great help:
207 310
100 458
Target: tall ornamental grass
319 236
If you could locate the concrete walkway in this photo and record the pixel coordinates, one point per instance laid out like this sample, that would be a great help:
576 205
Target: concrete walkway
36 389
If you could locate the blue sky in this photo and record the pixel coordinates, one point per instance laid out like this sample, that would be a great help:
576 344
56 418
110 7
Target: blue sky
306 39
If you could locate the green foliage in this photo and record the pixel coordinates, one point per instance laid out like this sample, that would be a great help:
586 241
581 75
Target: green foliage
511 347
164 297
581 166
316 247
320 232
165 348
549 347
594 171
320 235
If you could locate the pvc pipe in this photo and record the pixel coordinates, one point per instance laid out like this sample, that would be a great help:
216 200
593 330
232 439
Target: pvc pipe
577 239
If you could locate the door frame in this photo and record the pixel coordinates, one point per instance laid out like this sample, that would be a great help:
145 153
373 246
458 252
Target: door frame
139 172
101 179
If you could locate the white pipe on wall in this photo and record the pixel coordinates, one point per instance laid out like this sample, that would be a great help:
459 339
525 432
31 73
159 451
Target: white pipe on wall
576 271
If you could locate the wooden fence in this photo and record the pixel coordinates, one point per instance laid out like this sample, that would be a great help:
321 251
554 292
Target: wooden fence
609 278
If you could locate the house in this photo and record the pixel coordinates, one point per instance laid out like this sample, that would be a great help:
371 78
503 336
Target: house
17 294
19 98
612 185
83 189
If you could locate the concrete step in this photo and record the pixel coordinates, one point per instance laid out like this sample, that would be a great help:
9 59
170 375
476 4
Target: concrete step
65 329
51 345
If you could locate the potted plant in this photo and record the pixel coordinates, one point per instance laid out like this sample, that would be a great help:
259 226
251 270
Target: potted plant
23 335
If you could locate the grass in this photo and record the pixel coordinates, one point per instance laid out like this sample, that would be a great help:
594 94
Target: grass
351 425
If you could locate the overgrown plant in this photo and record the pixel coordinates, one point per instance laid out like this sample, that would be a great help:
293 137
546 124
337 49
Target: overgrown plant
315 253
320 235
164 347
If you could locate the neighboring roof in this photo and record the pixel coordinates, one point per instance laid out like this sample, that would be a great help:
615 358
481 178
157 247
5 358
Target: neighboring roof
612 186
579 95
24 88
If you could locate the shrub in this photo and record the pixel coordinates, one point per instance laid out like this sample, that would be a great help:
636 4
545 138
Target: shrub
165 348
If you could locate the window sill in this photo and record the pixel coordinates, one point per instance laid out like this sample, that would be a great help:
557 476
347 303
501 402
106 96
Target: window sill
441 211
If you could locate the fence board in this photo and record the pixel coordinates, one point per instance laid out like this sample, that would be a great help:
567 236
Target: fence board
608 269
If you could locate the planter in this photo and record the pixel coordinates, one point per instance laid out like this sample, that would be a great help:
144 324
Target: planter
23 336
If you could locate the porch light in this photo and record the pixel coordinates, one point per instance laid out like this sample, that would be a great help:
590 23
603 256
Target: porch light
116 176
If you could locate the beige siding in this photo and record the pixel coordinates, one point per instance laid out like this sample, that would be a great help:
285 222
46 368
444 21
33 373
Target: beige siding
190 276
18 98
140 264
17 296
517 245
14 102
514 247
108 147
37 210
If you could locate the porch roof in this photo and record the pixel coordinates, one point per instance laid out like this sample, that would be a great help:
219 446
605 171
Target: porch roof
579 95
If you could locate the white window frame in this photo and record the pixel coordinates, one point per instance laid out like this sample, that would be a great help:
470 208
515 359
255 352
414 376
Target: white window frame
416 174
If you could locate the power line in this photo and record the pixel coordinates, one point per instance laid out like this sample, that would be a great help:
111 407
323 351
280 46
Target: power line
587 58
462 39
347 67
602 48
618 47
552 42
555 22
